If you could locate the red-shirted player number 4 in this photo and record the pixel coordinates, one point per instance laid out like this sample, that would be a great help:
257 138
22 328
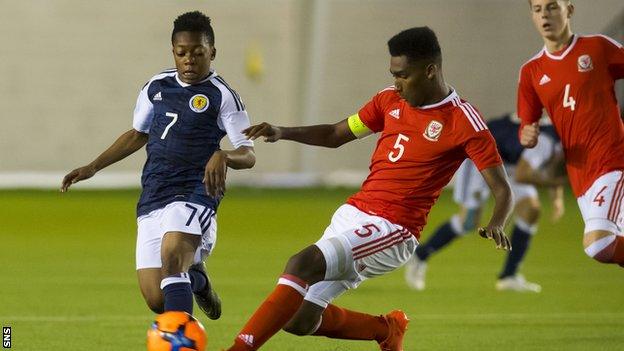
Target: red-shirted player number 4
400 148
600 198
568 101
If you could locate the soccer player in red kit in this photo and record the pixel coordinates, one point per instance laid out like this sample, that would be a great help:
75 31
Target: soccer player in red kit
426 131
572 77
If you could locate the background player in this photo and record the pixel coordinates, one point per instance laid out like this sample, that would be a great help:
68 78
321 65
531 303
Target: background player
526 167
573 77
181 114
426 132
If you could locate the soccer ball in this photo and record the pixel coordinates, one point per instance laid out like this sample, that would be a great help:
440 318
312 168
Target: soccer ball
176 331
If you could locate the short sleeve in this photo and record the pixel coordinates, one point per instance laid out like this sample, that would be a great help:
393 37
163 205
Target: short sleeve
233 117
143 112
481 149
529 106
538 156
372 114
615 58
233 124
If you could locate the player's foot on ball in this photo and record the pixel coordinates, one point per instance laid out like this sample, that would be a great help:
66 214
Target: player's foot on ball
207 299
397 322
517 283
415 271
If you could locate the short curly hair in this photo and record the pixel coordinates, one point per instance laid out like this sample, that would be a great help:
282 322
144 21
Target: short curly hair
194 21
418 43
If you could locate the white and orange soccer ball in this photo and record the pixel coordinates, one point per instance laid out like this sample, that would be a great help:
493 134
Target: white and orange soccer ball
176 331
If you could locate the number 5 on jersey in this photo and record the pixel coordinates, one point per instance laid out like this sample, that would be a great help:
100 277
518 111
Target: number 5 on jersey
399 148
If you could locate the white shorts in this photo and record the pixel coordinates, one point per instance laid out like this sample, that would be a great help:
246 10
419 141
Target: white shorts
602 205
179 216
358 246
471 191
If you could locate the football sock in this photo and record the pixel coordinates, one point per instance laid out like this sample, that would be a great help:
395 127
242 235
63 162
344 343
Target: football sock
609 249
520 239
340 323
619 250
177 291
198 280
278 308
442 236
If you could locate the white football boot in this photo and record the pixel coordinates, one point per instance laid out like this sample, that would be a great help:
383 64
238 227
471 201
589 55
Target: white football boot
517 283
415 271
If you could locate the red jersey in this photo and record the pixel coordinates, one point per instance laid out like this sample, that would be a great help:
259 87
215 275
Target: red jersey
575 87
417 153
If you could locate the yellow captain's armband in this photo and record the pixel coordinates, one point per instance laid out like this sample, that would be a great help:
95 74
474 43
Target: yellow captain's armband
358 128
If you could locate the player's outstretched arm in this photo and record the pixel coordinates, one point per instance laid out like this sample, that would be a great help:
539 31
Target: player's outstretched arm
125 145
496 179
216 169
327 135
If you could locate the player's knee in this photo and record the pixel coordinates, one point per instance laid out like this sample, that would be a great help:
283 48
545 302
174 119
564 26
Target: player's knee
300 327
528 210
155 303
600 246
308 264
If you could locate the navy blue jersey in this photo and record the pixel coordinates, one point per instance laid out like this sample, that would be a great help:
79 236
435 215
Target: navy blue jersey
185 124
505 132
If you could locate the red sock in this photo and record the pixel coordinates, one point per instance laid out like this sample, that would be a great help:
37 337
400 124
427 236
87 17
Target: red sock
618 254
340 323
612 253
272 315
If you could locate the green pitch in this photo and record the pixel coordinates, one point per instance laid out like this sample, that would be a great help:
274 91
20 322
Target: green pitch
68 280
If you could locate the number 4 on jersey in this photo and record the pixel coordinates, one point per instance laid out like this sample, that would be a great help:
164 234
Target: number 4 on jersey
568 101
600 198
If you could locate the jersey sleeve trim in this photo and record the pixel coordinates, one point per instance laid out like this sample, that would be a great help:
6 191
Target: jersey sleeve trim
609 39
237 100
357 127
471 113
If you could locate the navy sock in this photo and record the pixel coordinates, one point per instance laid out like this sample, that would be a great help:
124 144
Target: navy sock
520 240
198 280
442 236
177 291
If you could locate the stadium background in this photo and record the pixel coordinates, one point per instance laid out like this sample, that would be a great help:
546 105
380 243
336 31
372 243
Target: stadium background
71 73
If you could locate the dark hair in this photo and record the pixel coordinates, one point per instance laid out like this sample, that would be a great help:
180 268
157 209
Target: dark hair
418 43
194 22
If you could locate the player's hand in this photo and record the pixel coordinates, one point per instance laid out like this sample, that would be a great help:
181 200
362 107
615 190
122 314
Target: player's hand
529 134
270 133
497 234
77 175
558 209
214 174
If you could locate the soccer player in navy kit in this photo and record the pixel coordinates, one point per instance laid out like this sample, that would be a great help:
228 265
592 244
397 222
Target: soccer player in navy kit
527 168
181 115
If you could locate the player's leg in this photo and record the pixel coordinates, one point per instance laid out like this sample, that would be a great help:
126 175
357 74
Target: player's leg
169 240
355 257
527 212
305 268
148 263
318 317
470 192
601 207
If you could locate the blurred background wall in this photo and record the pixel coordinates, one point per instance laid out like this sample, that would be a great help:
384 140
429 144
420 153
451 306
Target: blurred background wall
71 72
